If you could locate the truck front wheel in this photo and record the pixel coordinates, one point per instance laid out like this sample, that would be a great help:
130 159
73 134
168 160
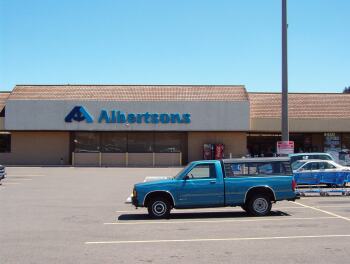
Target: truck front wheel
259 205
159 207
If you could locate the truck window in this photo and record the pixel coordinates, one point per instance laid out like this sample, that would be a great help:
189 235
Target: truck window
258 169
203 171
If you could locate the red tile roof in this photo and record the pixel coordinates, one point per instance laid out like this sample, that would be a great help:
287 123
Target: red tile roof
131 92
301 105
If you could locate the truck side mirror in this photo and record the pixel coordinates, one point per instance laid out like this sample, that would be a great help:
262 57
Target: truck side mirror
186 177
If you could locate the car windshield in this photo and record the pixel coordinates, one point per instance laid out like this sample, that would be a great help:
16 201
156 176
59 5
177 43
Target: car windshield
296 165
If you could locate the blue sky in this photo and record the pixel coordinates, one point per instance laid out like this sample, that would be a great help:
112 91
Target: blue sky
175 42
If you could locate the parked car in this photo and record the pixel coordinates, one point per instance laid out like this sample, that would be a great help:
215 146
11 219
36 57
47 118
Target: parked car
252 183
2 172
316 171
312 155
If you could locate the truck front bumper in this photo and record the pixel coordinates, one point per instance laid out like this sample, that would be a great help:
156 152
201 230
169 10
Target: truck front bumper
134 201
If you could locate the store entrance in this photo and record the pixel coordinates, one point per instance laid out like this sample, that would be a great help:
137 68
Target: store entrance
264 144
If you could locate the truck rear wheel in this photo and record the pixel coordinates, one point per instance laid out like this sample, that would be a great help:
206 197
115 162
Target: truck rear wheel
259 205
159 207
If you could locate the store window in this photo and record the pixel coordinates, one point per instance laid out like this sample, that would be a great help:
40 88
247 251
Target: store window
87 142
113 142
332 142
5 142
346 142
140 142
169 142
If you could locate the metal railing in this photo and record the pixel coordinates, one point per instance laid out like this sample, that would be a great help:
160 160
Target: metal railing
126 159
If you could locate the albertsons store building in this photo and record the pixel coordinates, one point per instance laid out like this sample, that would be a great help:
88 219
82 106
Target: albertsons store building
161 125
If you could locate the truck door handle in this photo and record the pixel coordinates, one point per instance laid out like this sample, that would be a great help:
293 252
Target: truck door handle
212 182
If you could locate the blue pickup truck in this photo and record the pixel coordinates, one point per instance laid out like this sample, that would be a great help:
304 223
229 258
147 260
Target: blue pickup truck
252 183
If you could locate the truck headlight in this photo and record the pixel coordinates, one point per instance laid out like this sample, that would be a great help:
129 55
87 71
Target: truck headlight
134 193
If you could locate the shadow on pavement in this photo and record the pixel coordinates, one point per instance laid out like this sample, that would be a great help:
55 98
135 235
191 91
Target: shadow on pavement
199 215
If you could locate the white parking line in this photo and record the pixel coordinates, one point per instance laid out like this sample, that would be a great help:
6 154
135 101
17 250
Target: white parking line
333 206
211 239
285 218
11 183
323 211
26 175
18 179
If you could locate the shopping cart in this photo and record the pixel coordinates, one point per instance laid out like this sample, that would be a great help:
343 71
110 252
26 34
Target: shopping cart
334 180
346 184
307 182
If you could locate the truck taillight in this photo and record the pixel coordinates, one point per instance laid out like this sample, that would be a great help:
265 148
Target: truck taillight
294 185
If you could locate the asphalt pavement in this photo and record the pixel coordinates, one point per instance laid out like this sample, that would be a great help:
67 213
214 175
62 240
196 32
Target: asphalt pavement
78 215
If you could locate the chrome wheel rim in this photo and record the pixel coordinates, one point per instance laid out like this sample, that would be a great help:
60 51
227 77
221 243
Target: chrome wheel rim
260 205
159 208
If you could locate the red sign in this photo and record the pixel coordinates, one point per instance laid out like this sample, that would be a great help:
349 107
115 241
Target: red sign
285 147
219 151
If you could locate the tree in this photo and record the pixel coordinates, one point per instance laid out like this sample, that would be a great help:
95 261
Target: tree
346 89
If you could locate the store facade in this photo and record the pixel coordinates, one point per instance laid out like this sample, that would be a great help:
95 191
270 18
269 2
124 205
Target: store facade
122 125
140 125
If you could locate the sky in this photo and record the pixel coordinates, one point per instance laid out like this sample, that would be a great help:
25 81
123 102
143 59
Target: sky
221 42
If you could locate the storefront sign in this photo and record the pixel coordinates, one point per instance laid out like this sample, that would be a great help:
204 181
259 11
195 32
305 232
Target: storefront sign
79 114
95 115
285 147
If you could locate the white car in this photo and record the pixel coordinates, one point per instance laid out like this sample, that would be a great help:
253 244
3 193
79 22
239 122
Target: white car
320 172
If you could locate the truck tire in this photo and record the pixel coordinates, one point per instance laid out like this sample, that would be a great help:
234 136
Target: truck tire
259 205
244 207
159 207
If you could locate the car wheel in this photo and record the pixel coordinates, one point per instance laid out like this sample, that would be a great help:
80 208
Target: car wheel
259 205
158 208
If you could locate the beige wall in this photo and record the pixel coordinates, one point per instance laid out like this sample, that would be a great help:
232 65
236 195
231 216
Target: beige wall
86 159
2 123
301 125
37 148
168 159
235 143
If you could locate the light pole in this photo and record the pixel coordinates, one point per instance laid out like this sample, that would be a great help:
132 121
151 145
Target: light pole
285 128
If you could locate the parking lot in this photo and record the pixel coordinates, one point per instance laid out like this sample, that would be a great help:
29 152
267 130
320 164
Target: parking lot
78 215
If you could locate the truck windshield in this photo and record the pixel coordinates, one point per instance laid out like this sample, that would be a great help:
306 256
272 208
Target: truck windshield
177 176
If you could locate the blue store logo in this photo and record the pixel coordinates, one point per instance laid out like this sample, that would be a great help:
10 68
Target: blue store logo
79 113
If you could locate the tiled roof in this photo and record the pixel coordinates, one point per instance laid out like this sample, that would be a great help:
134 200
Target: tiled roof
131 92
3 98
301 105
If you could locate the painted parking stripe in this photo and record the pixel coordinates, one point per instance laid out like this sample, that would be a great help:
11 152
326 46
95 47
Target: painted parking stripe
18 179
212 239
150 222
11 183
323 211
26 175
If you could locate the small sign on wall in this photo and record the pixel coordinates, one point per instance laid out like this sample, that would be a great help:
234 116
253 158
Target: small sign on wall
285 147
